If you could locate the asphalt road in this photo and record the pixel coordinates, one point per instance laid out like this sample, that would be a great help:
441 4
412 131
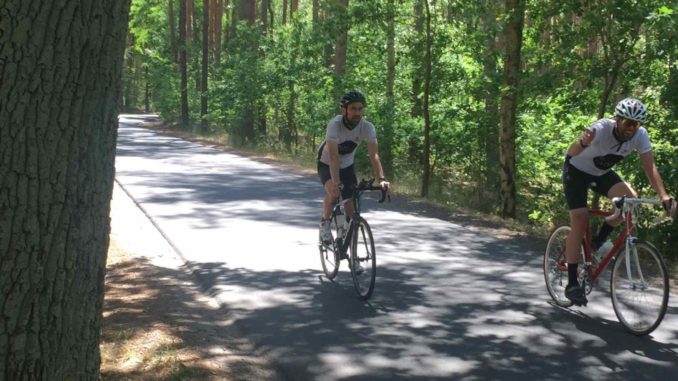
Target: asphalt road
453 300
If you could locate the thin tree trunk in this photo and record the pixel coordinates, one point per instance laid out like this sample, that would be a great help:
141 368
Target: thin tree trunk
147 93
205 63
172 30
416 51
218 20
490 127
183 64
316 12
340 48
513 33
57 139
248 12
284 12
387 147
263 15
427 119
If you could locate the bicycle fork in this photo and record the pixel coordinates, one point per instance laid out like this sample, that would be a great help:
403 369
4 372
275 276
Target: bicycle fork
631 260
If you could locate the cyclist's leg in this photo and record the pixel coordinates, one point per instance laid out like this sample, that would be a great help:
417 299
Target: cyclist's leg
611 185
324 175
349 179
575 184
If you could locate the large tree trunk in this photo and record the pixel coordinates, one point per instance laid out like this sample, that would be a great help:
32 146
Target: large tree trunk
183 64
60 78
425 109
513 35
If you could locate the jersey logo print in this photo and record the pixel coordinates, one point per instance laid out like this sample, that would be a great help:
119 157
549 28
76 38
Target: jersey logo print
607 161
347 147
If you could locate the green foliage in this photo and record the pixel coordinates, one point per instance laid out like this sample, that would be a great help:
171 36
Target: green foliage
572 51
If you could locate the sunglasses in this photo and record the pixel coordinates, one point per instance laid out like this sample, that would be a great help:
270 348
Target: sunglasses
630 123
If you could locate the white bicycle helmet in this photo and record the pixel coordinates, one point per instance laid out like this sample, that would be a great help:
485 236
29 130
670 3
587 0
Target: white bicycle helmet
631 108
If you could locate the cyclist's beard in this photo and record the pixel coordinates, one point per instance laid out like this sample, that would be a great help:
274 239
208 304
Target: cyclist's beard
351 124
622 137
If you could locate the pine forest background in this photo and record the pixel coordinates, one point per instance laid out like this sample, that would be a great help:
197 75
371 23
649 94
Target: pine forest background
475 102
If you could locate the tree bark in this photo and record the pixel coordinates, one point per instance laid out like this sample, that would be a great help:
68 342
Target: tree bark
513 33
60 86
425 108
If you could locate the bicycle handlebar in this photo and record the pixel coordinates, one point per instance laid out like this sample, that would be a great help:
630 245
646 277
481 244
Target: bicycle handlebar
624 203
366 185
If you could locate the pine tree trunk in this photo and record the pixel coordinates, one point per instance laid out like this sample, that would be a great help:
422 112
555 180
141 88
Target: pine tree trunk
60 79
513 33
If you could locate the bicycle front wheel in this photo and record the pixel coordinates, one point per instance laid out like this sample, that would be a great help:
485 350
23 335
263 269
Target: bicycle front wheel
329 259
639 286
555 266
363 260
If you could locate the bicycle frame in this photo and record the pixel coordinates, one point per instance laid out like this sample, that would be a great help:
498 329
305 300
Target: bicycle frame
627 237
344 245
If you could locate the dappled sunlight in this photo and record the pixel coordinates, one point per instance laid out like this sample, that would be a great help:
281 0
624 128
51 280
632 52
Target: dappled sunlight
453 299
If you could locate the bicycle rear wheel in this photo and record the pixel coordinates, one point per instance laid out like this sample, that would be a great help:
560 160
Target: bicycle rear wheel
555 266
639 286
363 253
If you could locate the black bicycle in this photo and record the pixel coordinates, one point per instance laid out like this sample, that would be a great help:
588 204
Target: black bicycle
355 235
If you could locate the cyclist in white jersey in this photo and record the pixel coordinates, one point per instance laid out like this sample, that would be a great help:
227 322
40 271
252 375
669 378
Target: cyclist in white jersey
336 153
588 164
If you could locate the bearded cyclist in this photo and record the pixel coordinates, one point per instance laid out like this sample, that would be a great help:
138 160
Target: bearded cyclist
336 153
588 164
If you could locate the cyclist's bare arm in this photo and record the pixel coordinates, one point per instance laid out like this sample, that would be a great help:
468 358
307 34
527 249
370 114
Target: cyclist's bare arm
650 168
582 142
333 153
373 152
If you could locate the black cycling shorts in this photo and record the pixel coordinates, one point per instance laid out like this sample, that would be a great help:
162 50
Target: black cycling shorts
346 176
577 183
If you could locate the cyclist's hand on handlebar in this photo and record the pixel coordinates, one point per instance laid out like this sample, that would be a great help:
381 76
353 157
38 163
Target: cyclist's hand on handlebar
669 206
385 185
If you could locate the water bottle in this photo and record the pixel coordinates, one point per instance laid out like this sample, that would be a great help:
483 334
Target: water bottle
603 250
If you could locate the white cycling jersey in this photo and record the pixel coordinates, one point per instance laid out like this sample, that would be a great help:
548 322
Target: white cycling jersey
347 140
605 150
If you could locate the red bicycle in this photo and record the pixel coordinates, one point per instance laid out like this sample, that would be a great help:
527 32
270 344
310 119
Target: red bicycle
639 282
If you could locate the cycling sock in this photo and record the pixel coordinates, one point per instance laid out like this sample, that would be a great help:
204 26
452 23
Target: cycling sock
572 274
603 233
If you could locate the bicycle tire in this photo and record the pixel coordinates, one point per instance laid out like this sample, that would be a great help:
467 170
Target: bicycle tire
329 259
649 286
363 252
555 266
